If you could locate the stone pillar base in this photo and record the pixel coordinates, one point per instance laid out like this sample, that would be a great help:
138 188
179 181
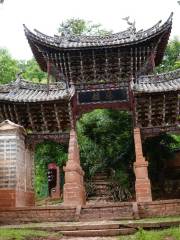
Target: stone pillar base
12 198
143 190
142 184
74 192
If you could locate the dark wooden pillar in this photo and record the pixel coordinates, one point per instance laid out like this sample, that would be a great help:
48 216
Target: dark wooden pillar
142 184
74 191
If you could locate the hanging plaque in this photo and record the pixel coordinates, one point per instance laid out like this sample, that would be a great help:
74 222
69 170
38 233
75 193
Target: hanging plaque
101 96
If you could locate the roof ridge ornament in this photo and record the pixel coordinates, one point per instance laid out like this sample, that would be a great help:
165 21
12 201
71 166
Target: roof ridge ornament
132 28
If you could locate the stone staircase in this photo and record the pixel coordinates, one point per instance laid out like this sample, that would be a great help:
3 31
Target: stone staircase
101 184
97 230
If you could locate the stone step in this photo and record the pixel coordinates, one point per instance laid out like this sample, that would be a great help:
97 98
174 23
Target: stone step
101 183
101 194
94 217
84 226
101 188
101 191
100 177
100 198
99 232
90 230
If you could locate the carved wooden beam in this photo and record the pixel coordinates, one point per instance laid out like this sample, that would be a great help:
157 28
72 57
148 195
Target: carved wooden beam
69 67
16 114
30 118
10 113
57 117
5 112
44 117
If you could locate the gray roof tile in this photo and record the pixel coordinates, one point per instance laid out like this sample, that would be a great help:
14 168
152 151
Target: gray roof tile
25 91
169 81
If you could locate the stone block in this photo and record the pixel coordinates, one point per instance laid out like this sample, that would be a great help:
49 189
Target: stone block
16 162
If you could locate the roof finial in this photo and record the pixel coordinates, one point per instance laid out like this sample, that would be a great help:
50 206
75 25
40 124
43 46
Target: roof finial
132 27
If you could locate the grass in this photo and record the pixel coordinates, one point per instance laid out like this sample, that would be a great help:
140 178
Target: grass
48 202
167 234
23 234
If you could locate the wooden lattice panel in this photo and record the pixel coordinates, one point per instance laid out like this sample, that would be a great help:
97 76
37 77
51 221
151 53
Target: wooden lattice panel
157 112
38 117
171 108
142 111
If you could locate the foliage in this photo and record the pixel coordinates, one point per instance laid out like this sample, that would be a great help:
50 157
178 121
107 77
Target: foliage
118 192
90 189
171 60
97 131
167 234
176 145
77 26
105 141
11 67
120 188
46 153
21 234
8 67
31 71
158 150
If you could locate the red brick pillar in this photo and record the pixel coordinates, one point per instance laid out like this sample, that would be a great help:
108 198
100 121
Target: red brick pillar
74 191
142 184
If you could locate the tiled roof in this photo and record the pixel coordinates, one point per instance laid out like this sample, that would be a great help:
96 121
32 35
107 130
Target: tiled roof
121 38
25 91
169 81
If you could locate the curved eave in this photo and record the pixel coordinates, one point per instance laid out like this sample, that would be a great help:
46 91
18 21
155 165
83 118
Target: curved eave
22 91
40 43
127 37
161 83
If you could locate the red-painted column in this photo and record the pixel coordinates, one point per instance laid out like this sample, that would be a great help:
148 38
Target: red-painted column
142 184
74 191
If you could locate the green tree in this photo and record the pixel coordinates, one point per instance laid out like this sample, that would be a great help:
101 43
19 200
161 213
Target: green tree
105 138
158 150
77 26
171 60
31 71
46 153
106 144
8 67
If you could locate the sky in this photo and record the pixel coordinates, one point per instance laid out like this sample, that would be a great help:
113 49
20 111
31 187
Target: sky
46 15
